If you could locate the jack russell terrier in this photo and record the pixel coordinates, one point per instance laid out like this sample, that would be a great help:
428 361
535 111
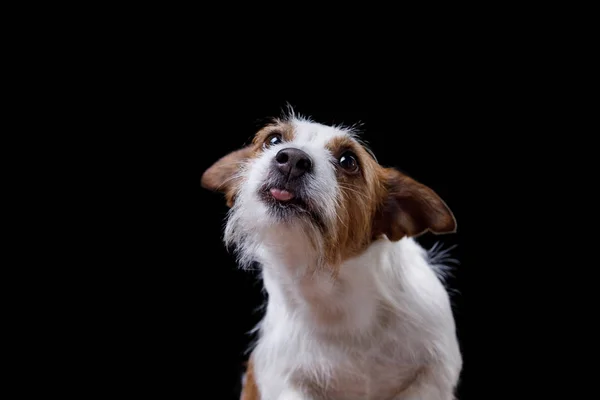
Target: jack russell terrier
356 307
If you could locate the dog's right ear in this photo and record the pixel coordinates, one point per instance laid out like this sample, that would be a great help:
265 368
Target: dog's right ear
222 175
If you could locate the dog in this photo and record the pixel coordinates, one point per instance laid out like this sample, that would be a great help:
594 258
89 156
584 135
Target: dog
356 309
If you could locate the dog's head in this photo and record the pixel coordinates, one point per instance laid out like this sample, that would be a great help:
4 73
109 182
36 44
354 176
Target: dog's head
319 185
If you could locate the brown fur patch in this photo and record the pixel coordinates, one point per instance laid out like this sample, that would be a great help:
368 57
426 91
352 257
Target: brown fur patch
360 193
250 390
220 177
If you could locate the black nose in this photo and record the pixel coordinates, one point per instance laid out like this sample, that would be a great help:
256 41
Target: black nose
293 162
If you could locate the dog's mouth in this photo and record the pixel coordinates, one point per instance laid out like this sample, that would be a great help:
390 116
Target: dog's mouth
286 203
282 194
284 198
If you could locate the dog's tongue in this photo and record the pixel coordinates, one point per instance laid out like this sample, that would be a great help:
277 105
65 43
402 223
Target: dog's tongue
282 195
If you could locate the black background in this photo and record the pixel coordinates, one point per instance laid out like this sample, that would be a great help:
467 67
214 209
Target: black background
153 303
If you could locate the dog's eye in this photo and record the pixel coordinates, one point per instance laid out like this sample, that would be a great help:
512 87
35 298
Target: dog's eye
273 139
348 162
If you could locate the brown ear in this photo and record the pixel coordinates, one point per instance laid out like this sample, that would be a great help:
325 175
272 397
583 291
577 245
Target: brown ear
221 176
410 208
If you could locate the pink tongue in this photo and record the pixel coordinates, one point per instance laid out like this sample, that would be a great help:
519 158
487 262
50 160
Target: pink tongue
282 195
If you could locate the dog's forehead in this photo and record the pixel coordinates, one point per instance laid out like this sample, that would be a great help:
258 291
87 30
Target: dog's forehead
315 134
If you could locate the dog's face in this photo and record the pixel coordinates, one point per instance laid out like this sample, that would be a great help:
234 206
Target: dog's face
300 176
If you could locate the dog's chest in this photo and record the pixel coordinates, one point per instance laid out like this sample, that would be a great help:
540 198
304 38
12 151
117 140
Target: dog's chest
342 371
370 380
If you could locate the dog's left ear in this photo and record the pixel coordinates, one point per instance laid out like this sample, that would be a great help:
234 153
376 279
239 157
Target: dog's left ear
222 175
410 208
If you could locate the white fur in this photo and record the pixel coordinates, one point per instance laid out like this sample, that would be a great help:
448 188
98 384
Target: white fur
367 332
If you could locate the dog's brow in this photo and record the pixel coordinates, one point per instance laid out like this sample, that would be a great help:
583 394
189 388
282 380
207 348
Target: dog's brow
284 129
340 142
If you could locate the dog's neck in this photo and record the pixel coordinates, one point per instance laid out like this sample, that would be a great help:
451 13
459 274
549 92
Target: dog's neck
325 297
